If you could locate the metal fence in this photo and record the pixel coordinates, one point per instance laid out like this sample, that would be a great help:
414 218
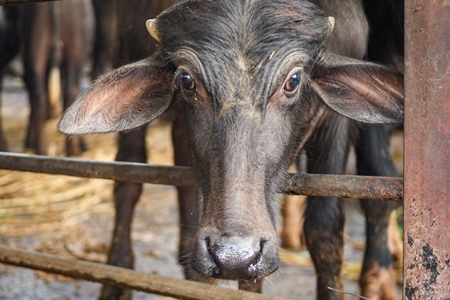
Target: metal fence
124 278
14 2
346 186
427 142
366 187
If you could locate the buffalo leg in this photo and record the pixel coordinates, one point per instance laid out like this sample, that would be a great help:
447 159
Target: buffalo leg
9 46
3 142
35 82
76 38
75 145
378 277
324 216
36 57
126 195
104 36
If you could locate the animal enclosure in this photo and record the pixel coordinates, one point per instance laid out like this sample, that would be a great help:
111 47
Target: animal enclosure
427 163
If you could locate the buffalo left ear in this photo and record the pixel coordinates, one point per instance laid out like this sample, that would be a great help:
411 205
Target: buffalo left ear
362 91
123 99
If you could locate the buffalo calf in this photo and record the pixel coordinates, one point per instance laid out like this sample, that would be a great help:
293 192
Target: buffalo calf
257 81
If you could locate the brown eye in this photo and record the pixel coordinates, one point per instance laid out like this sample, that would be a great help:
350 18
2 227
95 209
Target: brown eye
187 82
292 84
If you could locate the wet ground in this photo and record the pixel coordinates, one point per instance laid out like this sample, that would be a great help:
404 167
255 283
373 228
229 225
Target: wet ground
73 217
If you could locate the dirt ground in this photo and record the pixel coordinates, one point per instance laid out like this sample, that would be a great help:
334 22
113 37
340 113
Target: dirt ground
73 217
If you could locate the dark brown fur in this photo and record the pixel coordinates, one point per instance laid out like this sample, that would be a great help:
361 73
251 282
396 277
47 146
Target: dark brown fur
232 70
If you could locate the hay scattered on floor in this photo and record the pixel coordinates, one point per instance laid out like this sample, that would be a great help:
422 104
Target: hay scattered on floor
31 202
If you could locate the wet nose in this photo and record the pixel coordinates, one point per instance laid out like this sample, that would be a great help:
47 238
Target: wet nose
236 257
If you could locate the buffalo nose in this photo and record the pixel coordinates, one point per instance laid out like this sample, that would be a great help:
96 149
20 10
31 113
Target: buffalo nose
236 257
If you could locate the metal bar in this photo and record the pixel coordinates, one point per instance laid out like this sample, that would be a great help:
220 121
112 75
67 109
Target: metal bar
364 187
427 142
14 2
120 171
123 278
345 186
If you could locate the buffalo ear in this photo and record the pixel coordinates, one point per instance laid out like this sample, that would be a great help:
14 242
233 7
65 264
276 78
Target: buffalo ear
122 99
362 91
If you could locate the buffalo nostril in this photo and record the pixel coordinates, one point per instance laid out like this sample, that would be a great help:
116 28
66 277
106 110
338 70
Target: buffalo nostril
215 269
256 265
204 262
236 257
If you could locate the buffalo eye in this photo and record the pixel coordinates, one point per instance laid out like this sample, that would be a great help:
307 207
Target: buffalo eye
187 82
292 84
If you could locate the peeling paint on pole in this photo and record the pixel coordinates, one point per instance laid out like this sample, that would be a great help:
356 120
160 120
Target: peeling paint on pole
427 150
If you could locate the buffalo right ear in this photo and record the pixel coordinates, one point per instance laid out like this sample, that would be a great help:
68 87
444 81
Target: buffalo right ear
362 91
125 98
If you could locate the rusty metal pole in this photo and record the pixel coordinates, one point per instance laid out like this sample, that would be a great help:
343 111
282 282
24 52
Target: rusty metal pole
125 278
14 2
427 150
364 187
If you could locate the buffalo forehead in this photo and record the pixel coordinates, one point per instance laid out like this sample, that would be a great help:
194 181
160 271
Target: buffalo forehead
243 28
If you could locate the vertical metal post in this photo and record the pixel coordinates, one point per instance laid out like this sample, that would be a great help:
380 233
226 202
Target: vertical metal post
427 150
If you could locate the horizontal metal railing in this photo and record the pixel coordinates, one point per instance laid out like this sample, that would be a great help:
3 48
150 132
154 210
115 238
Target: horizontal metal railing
124 278
14 2
346 186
